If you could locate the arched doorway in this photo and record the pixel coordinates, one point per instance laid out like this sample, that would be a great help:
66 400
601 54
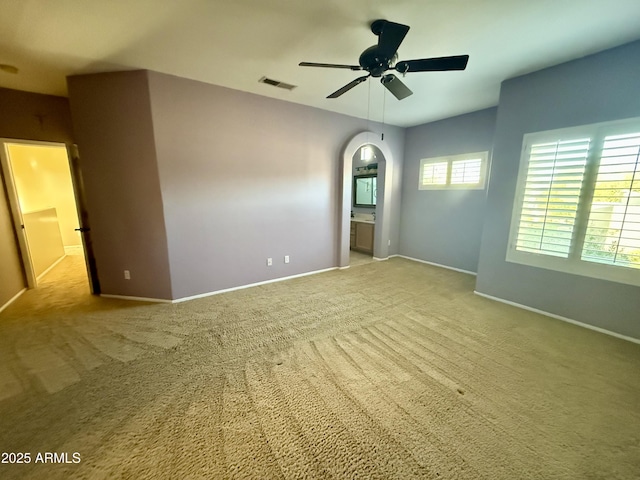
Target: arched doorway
382 223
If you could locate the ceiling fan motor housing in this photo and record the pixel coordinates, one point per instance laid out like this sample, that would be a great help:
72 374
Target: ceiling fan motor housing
374 62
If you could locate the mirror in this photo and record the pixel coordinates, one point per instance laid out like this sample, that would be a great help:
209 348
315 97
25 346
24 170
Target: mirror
365 190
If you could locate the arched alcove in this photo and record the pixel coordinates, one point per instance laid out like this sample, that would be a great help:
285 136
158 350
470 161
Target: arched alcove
381 237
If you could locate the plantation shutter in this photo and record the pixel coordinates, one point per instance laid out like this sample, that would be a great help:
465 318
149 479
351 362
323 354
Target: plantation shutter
435 173
552 191
613 230
466 171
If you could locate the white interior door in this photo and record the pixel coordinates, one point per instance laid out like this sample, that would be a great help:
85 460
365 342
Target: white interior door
44 194
16 214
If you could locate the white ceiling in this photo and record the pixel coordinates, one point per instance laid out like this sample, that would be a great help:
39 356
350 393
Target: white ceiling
234 43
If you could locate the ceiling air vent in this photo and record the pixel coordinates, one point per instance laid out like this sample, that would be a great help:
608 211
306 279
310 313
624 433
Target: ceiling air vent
277 83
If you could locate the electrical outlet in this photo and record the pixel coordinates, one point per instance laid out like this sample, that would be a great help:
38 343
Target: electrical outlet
127 275
269 261
389 243
286 259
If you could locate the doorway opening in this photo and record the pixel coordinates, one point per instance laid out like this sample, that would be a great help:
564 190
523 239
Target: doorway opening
47 206
380 213
364 195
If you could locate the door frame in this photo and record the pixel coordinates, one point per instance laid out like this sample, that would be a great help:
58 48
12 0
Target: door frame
16 211
383 204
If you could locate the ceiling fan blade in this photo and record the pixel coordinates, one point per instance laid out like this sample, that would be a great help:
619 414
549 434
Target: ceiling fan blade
391 36
329 65
348 87
395 86
440 64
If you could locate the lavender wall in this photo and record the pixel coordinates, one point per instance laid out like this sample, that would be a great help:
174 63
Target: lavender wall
27 116
114 131
593 89
246 177
444 226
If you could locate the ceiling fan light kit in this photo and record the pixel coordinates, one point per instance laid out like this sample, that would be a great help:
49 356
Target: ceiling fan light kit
379 59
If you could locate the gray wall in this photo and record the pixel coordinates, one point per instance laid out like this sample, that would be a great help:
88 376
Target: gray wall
397 144
246 177
444 226
593 89
26 116
113 126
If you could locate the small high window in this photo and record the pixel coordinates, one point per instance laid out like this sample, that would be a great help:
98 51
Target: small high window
466 171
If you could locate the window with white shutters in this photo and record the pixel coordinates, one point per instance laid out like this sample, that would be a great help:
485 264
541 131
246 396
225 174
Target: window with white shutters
577 206
466 171
613 231
551 195
435 173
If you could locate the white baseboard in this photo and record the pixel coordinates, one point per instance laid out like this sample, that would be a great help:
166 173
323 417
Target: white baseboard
217 292
50 267
437 265
242 287
136 299
73 250
559 317
12 299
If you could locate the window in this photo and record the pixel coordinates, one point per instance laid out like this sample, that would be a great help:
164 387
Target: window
466 172
434 173
551 195
613 229
455 171
577 206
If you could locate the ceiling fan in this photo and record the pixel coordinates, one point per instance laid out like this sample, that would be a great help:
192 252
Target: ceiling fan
383 57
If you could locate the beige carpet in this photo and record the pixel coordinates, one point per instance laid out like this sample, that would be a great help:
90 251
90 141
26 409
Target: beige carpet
358 258
389 370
